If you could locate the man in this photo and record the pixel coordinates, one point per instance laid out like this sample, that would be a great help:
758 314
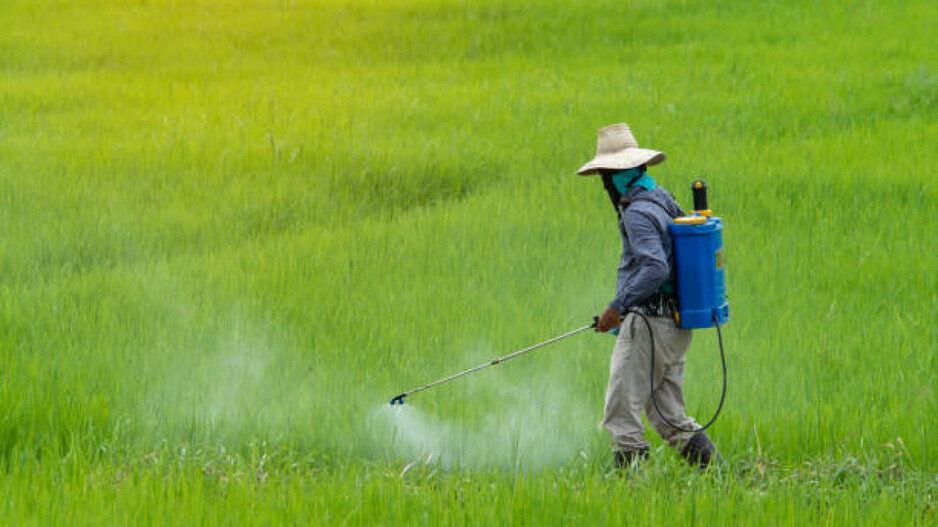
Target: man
645 285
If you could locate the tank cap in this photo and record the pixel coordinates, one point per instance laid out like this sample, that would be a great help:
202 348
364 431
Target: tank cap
690 220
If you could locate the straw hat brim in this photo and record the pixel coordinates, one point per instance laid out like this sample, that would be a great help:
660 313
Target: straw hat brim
624 160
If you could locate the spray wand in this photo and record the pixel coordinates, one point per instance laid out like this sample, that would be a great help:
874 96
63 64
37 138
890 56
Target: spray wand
400 398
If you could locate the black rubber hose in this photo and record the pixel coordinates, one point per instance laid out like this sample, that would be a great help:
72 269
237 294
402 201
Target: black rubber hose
654 401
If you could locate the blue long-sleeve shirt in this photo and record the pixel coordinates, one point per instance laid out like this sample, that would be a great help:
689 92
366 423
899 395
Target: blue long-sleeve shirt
647 260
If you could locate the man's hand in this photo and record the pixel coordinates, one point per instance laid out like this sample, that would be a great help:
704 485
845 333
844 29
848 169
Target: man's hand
608 320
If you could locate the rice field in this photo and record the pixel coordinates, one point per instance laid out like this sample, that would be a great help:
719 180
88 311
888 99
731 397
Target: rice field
231 231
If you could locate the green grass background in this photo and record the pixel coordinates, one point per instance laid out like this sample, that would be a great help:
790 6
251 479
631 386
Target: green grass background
231 231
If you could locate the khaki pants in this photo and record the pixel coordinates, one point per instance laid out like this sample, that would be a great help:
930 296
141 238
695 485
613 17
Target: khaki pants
629 390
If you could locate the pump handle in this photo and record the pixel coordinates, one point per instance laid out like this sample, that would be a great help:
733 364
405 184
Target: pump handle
699 188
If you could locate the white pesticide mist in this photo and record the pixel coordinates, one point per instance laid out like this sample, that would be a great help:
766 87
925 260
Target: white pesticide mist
224 386
409 432
227 387
239 385
535 426
236 380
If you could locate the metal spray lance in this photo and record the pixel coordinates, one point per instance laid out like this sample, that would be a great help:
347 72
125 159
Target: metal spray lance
400 398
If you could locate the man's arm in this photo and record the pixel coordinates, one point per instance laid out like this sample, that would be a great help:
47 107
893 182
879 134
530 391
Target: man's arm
646 247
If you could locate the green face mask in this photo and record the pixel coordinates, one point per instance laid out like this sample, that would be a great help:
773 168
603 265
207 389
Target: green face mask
633 177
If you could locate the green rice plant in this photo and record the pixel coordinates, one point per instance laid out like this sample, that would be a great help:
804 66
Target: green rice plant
231 231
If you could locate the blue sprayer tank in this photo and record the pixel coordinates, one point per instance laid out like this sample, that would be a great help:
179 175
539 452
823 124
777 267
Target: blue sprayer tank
698 262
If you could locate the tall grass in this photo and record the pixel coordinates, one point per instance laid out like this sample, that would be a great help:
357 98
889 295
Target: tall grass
230 232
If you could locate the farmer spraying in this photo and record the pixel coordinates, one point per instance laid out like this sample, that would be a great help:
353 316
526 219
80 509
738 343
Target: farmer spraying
671 280
643 310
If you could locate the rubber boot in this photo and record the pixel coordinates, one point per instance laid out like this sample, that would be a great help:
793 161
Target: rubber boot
699 450
624 459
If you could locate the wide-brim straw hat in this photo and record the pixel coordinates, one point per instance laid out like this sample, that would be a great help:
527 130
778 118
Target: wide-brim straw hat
617 149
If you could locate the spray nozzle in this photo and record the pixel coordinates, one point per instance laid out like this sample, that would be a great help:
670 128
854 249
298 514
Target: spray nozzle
399 399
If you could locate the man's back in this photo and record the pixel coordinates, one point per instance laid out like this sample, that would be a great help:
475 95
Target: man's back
647 260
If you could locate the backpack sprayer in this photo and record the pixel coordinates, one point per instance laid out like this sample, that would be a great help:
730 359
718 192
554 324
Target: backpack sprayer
698 262
700 284
701 293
